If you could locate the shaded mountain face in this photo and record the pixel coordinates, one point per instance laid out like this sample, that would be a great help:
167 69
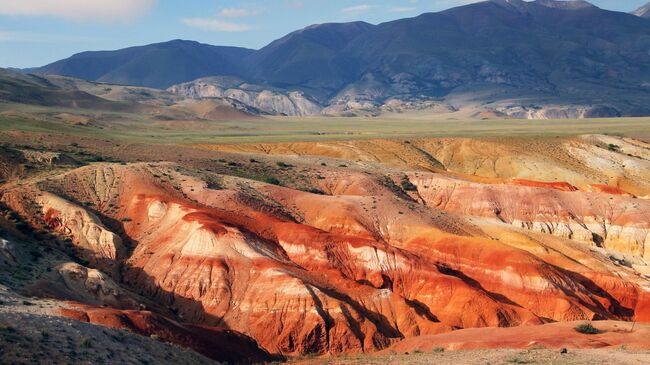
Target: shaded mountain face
157 65
643 11
550 52
36 90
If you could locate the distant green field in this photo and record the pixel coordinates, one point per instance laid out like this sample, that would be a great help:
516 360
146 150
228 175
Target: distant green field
134 127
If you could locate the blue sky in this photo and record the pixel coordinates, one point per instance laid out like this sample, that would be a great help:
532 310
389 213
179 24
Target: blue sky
36 32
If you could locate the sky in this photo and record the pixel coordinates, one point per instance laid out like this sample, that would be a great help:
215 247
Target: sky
37 32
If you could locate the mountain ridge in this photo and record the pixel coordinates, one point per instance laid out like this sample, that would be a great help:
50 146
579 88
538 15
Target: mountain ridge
569 53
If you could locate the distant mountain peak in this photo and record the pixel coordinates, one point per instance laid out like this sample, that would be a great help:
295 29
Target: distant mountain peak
522 5
643 12
568 4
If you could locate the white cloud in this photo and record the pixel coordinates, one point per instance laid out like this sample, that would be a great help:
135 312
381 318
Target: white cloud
239 12
216 25
80 10
357 9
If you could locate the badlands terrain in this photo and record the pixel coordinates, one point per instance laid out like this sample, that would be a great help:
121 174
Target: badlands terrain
470 186
461 242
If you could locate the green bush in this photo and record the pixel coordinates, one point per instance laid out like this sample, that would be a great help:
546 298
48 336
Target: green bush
587 329
272 180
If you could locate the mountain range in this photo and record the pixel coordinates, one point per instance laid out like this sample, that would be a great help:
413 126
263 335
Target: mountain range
534 59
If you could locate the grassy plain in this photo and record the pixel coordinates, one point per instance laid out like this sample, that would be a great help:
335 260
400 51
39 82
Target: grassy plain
130 127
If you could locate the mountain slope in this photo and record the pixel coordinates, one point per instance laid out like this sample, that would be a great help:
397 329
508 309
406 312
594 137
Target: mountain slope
311 56
533 59
157 65
36 90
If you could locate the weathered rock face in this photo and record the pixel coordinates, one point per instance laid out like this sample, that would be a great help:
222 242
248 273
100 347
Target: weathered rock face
618 223
559 111
95 242
366 261
93 286
346 277
269 101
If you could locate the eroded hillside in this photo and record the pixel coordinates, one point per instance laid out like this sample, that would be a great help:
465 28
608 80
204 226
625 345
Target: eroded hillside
253 252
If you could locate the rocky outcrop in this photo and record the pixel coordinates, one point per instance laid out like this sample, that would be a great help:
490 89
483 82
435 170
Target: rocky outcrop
93 240
643 11
559 111
619 223
92 286
267 100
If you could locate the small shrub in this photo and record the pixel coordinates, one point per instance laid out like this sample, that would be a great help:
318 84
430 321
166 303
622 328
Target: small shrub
283 165
272 180
126 219
438 349
613 147
407 185
587 329
86 343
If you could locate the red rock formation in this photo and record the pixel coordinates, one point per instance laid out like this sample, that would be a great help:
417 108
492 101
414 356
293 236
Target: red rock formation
306 273
560 185
218 344
619 223
601 188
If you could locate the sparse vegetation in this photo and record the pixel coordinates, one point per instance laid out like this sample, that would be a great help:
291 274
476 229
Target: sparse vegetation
587 329
271 180
407 185
283 165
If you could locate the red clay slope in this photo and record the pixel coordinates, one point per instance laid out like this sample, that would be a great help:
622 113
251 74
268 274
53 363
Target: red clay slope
306 273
